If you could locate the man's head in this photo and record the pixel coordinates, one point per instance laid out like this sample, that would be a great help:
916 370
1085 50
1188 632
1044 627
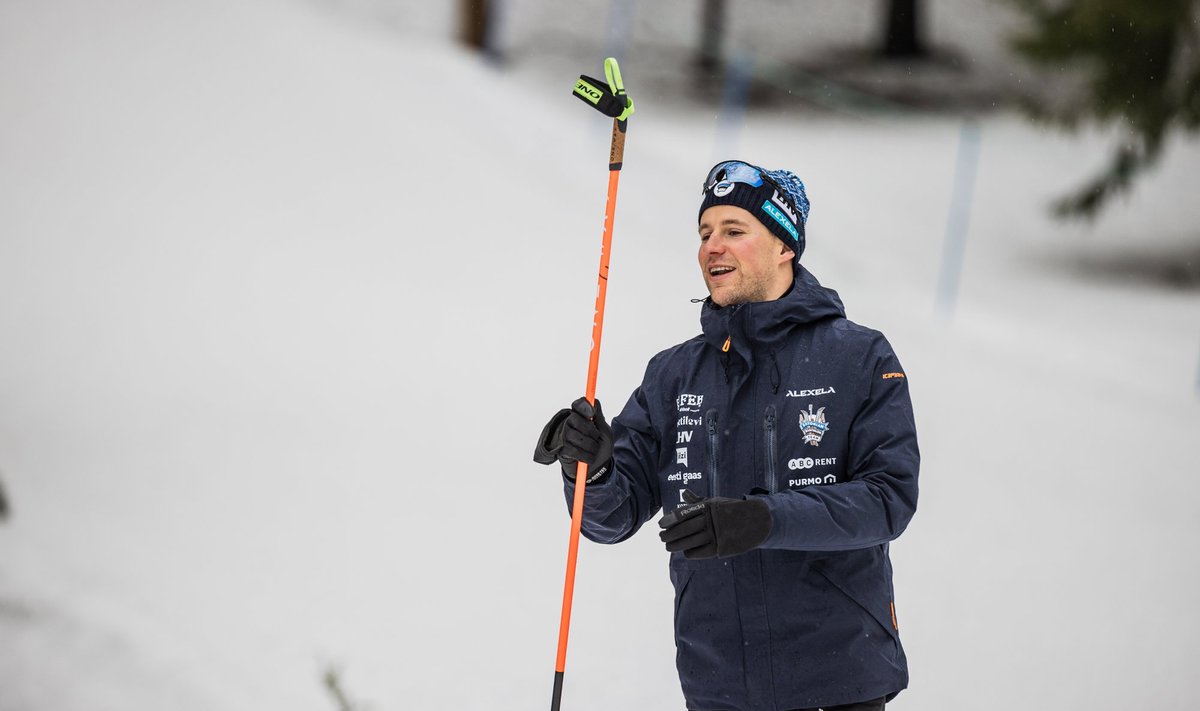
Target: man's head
751 232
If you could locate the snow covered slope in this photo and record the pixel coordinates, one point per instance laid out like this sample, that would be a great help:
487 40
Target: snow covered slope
284 301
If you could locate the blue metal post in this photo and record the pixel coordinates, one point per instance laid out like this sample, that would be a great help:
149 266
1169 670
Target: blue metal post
738 74
1198 377
493 51
958 220
619 28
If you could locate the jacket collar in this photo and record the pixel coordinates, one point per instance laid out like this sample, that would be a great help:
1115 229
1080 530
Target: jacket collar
767 323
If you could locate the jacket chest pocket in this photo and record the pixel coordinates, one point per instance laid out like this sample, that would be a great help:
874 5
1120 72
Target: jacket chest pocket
802 448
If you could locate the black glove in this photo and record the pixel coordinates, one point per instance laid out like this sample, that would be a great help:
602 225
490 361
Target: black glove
716 527
579 434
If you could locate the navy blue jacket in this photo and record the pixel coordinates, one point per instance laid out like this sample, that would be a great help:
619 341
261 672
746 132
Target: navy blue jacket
791 401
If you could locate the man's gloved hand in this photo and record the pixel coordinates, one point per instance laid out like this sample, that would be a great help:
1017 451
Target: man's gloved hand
578 434
716 527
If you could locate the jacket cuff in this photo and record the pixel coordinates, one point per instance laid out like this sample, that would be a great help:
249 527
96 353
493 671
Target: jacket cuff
596 475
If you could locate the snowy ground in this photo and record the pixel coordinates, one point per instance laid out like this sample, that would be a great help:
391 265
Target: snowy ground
285 298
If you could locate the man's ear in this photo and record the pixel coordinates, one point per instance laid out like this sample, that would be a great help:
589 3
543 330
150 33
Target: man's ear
784 249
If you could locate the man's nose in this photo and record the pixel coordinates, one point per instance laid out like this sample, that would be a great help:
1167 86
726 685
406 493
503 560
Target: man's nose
714 245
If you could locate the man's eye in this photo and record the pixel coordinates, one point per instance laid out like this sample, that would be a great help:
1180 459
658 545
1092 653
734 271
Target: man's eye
703 238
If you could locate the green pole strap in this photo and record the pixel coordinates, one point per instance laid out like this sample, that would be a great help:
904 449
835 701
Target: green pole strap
612 72
610 100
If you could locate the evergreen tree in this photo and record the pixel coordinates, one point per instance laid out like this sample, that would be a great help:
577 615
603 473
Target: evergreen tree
1140 62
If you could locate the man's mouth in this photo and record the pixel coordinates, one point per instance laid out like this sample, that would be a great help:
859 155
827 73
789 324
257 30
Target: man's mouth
719 270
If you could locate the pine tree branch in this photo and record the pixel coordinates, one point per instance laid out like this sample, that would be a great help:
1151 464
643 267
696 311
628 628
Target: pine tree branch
1140 70
331 678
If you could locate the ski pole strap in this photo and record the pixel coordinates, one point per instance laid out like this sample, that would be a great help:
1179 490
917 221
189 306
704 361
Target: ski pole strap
608 96
612 74
596 93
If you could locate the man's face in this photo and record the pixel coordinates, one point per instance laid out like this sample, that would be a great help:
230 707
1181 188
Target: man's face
740 259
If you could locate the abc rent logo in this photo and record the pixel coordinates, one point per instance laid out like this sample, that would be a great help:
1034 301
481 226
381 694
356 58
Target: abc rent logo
810 462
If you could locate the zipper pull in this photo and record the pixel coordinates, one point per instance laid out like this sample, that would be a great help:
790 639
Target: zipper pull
725 348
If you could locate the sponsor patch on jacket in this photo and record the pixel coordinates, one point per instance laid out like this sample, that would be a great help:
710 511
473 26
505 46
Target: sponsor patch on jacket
812 393
887 376
813 480
809 462
813 425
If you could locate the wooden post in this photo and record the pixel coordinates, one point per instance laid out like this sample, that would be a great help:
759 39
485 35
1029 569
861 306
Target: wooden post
473 23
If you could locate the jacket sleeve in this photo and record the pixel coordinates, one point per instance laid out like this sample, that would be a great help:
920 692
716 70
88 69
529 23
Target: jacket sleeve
875 505
614 509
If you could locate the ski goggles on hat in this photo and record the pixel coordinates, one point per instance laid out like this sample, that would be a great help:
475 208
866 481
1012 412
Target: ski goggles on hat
761 196
721 178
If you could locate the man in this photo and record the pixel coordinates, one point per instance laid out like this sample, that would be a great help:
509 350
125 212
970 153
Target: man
781 445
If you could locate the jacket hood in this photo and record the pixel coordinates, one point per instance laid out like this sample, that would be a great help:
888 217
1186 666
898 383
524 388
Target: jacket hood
766 323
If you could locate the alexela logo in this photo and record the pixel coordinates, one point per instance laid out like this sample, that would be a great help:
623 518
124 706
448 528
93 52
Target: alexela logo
778 215
778 200
812 393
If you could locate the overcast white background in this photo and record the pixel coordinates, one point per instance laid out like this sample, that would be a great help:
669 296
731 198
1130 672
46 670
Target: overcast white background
287 290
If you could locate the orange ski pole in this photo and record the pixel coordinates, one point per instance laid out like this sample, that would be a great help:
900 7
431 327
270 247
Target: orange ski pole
615 103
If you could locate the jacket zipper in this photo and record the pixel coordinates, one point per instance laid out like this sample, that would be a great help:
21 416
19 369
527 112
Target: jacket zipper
711 418
769 474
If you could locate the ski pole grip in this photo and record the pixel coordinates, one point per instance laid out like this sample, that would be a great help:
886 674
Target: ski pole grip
616 152
616 86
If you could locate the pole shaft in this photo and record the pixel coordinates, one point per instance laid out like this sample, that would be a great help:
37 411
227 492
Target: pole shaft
610 207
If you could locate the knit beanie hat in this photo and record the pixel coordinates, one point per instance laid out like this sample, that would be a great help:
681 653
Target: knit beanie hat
775 197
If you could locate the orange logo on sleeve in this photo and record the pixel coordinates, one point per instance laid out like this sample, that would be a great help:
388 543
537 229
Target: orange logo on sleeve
892 375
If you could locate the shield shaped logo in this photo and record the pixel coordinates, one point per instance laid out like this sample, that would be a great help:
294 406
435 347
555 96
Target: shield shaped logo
813 425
